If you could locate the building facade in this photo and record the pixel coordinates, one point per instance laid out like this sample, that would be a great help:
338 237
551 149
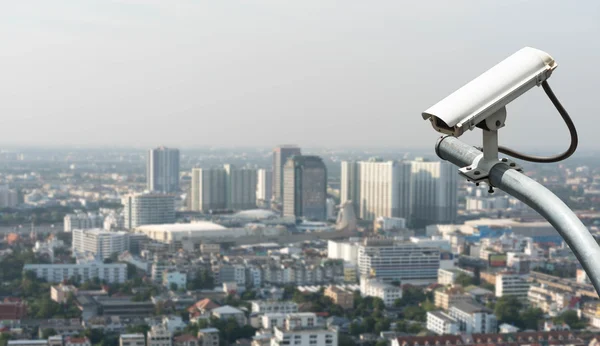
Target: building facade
264 186
158 335
137 339
473 318
208 189
162 170
111 273
441 323
341 297
148 209
509 284
100 243
280 156
305 188
433 193
350 184
240 188
374 288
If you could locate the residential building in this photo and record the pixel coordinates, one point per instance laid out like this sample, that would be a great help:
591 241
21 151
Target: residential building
551 300
77 341
158 335
81 272
449 276
384 224
305 188
123 307
162 170
274 306
473 318
11 310
391 260
433 193
304 337
341 297
148 209
137 339
510 284
208 337
264 186
9 198
441 323
175 277
344 250
60 293
100 243
82 221
383 189
27 343
281 155
444 298
226 312
240 188
209 248
185 340
64 327
386 292
208 190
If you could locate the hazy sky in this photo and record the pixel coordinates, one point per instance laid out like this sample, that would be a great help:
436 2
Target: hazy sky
260 73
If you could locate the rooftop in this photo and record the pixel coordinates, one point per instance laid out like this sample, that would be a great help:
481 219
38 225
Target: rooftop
198 226
470 308
227 309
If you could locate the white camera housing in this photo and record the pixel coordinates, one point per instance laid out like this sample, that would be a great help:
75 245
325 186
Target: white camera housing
479 99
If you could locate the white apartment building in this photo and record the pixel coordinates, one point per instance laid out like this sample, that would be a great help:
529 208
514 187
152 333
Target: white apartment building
274 306
137 339
448 276
509 284
162 170
273 319
148 209
473 318
176 277
82 221
344 250
386 292
302 329
406 262
208 190
208 337
433 192
383 189
159 335
264 185
240 188
441 323
111 273
551 300
99 242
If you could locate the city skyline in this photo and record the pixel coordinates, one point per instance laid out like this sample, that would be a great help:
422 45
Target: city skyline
232 73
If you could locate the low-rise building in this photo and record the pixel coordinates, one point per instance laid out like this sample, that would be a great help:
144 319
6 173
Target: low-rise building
77 341
226 312
12 310
158 335
341 297
510 284
185 340
80 272
441 323
444 298
137 339
386 292
208 337
208 248
176 278
274 306
449 276
61 293
473 318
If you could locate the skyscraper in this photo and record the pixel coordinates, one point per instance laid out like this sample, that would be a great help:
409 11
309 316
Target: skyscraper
280 157
148 209
162 170
264 186
350 186
208 189
382 189
433 187
305 187
240 186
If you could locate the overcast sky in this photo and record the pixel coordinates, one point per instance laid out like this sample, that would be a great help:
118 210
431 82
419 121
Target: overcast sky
259 73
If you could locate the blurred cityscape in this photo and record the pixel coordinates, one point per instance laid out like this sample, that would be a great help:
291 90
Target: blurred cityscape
284 246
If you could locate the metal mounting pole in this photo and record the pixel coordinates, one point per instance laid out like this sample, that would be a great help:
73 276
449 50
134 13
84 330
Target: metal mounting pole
502 176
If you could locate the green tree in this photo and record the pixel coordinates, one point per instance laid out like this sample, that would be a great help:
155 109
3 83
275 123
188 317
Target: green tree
531 318
173 286
382 325
356 329
571 318
345 340
381 343
464 280
428 305
140 328
507 310
48 332
415 313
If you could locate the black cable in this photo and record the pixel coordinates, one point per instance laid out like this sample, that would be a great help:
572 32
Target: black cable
568 122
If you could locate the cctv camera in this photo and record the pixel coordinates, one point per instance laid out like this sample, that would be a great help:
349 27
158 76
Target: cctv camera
489 93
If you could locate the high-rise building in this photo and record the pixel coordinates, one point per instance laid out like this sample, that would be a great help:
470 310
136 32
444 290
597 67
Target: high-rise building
305 187
8 198
350 184
383 189
148 209
280 156
100 243
264 186
82 221
162 170
240 188
208 189
433 193
389 260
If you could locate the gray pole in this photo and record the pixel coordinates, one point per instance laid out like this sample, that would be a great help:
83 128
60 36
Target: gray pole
537 197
